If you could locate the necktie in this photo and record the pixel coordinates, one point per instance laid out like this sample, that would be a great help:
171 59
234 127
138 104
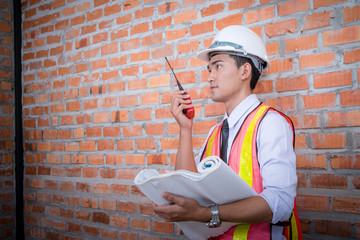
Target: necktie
224 140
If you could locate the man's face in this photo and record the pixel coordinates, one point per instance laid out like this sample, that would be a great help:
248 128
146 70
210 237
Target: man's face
224 78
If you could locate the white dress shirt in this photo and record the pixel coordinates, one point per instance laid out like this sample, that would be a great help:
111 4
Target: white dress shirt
276 157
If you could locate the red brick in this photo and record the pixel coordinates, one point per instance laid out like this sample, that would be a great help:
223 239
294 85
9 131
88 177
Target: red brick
167 143
124 19
131 71
341 119
352 56
278 65
129 4
238 4
134 159
259 14
127 173
192 2
351 14
312 203
200 28
107 173
176 34
157 159
305 121
350 98
188 47
317 20
342 162
346 204
145 143
162 22
331 227
229 20
152 39
311 161
302 43
141 56
83 215
281 28
144 13
119 221
319 101
101 188
142 114
140 28
142 224
214 109
329 140
161 52
113 9
328 181
119 189
342 78
282 103
293 7
292 84
146 208
322 3
163 227
356 182
91 230
341 36
321 60
158 81
264 86
212 9
108 204
167 7
108 234
119 33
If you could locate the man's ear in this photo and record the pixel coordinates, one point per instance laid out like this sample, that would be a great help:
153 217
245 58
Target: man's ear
246 71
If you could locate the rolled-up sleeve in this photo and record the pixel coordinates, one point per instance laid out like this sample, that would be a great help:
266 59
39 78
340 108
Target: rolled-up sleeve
277 161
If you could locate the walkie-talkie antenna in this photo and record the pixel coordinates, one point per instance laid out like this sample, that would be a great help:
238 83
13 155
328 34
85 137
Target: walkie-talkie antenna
172 70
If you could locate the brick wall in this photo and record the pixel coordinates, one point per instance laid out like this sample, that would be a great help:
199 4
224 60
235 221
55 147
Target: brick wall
7 122
96 97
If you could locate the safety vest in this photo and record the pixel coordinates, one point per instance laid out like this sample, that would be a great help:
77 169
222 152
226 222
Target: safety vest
243 160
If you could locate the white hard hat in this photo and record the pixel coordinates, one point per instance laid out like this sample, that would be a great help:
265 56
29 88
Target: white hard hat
240 41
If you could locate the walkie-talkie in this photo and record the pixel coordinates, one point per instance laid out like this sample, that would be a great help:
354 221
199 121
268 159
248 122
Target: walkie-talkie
190 112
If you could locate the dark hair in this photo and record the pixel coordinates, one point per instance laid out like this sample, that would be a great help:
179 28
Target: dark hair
255 74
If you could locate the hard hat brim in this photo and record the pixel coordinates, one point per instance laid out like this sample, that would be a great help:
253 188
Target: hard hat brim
204 55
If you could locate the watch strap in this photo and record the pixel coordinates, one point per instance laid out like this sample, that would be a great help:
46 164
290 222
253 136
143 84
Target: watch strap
215 218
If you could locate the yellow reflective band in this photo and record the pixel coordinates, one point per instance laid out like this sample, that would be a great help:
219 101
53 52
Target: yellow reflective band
246 168
211 142
294 227
241 232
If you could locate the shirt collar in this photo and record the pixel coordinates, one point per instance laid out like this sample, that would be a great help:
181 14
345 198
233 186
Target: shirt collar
241 109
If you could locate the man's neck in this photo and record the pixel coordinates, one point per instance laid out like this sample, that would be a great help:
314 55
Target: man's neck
233 103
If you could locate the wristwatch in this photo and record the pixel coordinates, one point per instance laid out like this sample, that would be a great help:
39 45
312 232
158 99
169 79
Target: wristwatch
215 219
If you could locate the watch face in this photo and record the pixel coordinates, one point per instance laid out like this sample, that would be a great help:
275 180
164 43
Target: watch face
212 224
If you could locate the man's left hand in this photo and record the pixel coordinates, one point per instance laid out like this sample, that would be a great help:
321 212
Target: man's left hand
182 209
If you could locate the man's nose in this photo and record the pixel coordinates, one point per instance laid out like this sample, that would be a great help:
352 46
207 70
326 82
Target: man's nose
211 77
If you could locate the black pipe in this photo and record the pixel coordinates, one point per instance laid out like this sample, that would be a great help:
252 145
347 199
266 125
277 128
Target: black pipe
19 150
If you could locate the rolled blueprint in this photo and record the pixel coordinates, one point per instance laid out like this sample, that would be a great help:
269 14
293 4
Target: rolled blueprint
215 182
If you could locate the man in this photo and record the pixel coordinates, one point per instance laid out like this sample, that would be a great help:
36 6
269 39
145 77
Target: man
259 145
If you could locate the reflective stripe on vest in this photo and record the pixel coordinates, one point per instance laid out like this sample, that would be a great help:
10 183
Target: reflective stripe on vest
243 160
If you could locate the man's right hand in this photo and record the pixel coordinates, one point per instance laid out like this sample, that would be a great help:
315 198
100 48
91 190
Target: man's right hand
178 104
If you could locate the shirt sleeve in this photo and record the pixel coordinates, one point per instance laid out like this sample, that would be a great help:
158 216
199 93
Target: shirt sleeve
277 161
